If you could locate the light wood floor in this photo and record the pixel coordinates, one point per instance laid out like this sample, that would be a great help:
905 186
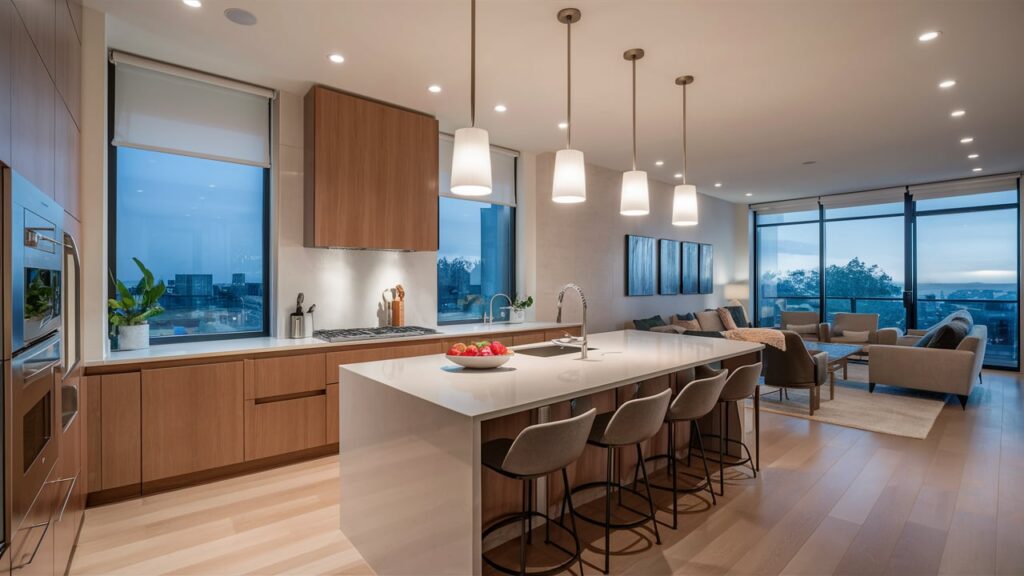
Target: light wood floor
829 500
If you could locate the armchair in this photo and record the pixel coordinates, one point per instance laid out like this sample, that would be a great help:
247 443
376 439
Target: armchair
794 319
796 368
857 322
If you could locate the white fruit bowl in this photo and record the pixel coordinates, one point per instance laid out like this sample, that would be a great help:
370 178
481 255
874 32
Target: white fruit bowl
479 362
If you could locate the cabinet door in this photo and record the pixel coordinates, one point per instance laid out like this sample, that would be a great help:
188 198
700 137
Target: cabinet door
288 375
7 16
333 409
192 419
68 65
32 542
286 426
40 19
66 160
120 430
371 174
32 119
70 504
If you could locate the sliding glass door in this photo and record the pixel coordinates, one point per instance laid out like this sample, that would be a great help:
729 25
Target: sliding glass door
787 264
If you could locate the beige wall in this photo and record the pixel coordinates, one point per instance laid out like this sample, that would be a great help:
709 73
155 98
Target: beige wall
585 244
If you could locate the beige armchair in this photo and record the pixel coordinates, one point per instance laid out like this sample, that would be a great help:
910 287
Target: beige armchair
796 368
857 322
791 319
932 369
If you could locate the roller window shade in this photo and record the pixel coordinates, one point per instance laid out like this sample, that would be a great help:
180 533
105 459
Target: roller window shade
156 109
884 196
966 187
503 174
801 205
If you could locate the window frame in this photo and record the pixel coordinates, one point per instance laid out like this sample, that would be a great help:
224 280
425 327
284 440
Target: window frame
513 245
112 232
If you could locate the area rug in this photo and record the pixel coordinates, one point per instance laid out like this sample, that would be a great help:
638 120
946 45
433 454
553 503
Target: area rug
888 410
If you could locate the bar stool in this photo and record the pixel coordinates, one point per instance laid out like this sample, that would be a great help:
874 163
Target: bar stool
695 401
538 450
632 423
742 384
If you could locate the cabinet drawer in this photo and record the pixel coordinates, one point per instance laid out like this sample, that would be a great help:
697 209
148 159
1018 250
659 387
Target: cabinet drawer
528 338
32 542
285 426
288 375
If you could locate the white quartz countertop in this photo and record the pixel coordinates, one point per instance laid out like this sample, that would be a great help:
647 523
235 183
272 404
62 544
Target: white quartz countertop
527 382
242 346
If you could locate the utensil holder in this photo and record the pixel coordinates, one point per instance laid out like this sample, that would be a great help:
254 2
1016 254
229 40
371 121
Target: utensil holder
398 313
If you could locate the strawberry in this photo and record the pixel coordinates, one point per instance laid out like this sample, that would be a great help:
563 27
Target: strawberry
486 351
471 350
455 351
498 348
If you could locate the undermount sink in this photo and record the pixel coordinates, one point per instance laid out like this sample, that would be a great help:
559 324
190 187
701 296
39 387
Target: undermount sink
550 350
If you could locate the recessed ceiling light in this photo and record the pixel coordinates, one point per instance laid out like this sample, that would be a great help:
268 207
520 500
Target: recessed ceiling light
967 139
563 125
975 169
947 83
659 163
336 58
972 156
500 108
241 17
678 175
192 3
928 36
434 89
809 162
749 194
718 184
957 113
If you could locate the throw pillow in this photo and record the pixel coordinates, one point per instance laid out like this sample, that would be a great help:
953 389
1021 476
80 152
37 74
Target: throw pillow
709 321
739 316
726 317
690 324
687 316
803 328
924 341
647 323
855 335
949 335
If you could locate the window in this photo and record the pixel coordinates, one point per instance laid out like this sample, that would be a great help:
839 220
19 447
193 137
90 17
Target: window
476 243
191 201
788 270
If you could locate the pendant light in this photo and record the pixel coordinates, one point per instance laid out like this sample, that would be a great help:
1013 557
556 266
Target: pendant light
634 200
471 155
684 198
570 181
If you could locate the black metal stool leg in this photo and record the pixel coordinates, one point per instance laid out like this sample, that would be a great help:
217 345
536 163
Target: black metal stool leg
572 517
672 471
608 511
757 430
650 495
703 457
522 529
725 442
689 446
529 509
721 447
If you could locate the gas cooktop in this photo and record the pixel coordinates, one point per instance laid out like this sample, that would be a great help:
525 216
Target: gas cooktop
350 334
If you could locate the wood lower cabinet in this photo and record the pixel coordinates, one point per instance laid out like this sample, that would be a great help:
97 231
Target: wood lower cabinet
371 174
192 419
285 426
32 543
333 410
120 429
288 375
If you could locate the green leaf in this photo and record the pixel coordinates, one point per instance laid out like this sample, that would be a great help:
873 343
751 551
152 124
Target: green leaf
147 276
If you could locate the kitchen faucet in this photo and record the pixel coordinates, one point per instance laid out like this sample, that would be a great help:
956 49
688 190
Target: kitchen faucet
490 319
583 299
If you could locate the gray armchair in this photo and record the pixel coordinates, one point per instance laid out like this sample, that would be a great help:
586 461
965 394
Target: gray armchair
796 368
791 319
857 322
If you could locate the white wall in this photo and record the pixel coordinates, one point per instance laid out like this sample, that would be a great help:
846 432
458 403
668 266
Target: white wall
345 285
585 244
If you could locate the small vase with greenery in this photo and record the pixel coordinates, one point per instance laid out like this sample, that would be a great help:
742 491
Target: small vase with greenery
518 312
130 311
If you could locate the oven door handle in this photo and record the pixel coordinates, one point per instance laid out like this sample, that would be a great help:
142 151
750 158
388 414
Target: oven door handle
71 246
38 544
73 480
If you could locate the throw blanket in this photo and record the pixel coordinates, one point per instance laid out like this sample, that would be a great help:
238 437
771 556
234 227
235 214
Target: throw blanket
766 336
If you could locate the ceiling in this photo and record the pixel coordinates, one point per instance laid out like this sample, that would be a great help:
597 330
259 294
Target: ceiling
844 84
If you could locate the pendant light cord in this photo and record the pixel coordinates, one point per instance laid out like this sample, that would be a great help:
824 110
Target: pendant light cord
684 133
568 83
634 115
472 65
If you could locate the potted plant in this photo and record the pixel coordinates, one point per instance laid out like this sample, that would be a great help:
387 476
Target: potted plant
518 313
130 311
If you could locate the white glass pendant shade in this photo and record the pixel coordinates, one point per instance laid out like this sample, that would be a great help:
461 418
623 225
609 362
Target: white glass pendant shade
634 194
570 185
684 205
471 162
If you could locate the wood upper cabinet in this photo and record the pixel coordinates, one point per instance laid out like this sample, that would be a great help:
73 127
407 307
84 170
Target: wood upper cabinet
68 62
371 173
66 160
40 18
192 419
32 112
7 17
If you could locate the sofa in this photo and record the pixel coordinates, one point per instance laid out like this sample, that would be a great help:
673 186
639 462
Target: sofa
918 361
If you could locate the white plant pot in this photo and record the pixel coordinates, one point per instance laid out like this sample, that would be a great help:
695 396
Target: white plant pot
133 337
516 316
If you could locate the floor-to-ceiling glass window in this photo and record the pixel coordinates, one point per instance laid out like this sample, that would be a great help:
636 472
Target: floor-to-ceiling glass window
864 260
788 261
967 258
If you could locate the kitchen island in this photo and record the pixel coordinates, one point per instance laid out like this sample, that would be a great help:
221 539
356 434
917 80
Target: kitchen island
411 488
